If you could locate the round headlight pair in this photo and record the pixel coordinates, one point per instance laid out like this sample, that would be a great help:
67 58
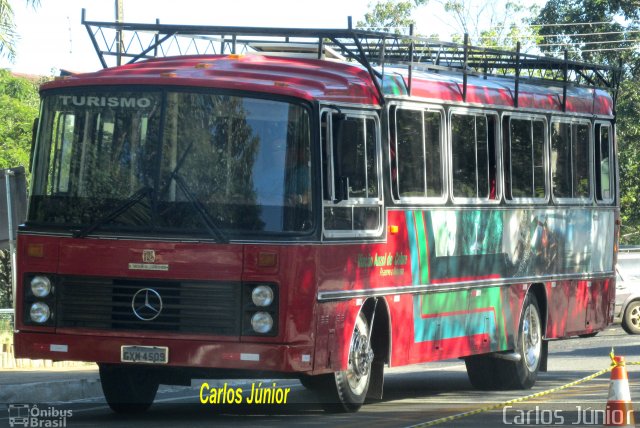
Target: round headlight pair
40 286
262 295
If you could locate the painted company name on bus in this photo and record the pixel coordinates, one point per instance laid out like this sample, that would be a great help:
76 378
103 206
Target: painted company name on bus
84 101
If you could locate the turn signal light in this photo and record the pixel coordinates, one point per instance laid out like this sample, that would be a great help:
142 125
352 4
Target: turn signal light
267 260
35 250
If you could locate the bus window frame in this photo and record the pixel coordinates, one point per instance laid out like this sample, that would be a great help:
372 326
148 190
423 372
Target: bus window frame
612 163
506 140
581 200
412 200
498 156
350 112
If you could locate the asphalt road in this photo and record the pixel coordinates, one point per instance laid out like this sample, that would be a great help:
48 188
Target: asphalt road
413 396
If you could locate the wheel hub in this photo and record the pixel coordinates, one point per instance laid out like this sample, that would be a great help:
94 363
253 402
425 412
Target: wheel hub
531 340
361 356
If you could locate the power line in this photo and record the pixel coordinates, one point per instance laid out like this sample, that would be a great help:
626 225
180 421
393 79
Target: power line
563 24
535 36
609 49
601 42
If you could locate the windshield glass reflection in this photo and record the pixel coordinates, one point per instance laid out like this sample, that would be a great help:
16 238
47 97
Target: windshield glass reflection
218 164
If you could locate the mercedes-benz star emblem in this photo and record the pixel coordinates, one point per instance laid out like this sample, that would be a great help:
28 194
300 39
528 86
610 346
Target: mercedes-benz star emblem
146 304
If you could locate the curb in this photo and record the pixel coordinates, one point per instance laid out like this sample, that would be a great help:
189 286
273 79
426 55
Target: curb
44 392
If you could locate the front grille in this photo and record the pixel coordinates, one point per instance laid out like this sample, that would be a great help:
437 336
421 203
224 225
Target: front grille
188 307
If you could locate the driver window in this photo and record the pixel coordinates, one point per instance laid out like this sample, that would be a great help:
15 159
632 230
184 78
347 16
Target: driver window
351 188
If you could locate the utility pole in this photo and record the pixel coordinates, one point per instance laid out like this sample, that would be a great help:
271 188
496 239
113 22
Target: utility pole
119 19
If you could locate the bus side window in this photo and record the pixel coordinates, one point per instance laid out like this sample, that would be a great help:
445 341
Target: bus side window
524 159
416 154
570 160
473 157
603 166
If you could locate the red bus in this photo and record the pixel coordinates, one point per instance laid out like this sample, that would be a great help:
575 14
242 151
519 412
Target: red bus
254 212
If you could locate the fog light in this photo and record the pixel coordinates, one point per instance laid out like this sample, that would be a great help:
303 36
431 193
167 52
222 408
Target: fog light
39 312
262 295
262 322
40 286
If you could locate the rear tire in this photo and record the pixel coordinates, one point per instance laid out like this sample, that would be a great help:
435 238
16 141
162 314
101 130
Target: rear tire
631 318
523 374
481 371
128 389
487 372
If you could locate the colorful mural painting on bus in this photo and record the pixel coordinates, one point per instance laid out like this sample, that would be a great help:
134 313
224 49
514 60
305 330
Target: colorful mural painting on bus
474 246
448 246
443 316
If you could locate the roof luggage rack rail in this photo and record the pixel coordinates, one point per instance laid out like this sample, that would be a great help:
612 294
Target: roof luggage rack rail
373 50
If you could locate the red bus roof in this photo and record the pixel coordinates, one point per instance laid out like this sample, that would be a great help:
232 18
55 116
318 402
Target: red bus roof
335 81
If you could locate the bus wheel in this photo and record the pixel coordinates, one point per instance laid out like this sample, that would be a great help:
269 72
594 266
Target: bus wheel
128 389
345 391
488 372
523 374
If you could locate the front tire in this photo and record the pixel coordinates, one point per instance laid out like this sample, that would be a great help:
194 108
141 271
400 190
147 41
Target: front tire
346 390
128 389
631 318
352 384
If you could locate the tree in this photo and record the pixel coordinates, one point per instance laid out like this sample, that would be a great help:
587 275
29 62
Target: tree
8 35
388 16
18 109
605 32
590 30
491 23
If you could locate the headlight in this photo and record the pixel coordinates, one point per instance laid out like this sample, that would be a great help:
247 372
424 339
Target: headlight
262 295
261 322
40 286
40 312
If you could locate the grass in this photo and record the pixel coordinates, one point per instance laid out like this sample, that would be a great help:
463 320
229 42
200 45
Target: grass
6 335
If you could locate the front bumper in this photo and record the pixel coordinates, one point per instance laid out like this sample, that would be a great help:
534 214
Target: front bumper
182 353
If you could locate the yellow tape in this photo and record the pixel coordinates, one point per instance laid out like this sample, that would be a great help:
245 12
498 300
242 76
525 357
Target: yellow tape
614 363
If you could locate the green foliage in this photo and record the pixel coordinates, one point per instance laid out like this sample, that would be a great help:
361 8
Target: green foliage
628 133
18 109
594 42
389 16
5 280
609 40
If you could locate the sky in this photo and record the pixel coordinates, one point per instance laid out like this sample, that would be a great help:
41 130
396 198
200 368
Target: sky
53 38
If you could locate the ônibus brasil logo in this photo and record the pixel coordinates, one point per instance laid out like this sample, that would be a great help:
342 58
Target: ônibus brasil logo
30 415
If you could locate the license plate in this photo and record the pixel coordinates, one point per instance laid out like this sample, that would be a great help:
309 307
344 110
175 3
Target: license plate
144 354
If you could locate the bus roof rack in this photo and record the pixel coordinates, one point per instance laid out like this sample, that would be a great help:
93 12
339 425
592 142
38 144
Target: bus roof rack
374 50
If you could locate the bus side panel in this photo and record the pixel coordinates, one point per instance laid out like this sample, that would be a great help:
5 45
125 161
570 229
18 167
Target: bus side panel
558 296
578 307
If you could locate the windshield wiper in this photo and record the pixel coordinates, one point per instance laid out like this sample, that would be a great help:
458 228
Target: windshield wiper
123 207
208 221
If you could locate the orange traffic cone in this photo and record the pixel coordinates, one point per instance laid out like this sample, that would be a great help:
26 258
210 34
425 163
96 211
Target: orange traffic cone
619 410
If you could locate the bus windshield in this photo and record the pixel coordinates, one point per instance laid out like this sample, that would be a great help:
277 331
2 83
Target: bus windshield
172 162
